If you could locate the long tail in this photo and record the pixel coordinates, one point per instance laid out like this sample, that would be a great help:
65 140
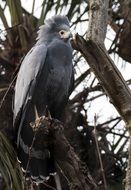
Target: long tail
35 155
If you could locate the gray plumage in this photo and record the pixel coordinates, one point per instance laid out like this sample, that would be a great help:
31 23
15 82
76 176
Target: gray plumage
45 79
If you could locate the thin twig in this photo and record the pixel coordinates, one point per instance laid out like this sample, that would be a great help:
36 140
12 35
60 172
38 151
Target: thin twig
33 7
63 173
10 28
3 99
99 154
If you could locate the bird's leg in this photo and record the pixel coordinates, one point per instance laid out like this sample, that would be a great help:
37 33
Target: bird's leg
36 113
35 125
47 112
57 181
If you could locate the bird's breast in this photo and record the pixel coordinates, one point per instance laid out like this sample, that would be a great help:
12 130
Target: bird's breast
54 82
60 52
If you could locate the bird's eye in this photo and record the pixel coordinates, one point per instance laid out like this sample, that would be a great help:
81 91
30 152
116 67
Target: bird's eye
61 32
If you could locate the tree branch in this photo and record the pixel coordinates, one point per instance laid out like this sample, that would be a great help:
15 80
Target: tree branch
108 75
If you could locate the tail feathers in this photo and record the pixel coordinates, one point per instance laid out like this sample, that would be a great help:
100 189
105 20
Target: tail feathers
37 164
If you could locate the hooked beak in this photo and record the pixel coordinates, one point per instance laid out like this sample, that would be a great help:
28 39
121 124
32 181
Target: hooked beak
67 35
71 35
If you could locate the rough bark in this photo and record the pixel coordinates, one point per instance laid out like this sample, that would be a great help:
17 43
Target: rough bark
124 44
98 16
107 73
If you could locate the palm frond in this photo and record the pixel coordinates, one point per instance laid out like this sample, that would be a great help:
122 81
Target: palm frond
9 167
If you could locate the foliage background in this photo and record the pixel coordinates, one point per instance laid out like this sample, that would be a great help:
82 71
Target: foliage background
20 21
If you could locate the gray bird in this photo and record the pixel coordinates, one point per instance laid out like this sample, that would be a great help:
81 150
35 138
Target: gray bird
45 79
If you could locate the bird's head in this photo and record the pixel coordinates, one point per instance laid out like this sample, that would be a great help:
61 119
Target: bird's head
56 27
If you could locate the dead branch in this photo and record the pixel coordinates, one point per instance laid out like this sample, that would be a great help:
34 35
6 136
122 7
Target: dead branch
108 74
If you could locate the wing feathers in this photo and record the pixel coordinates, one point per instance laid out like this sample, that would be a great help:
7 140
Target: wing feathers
26 80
